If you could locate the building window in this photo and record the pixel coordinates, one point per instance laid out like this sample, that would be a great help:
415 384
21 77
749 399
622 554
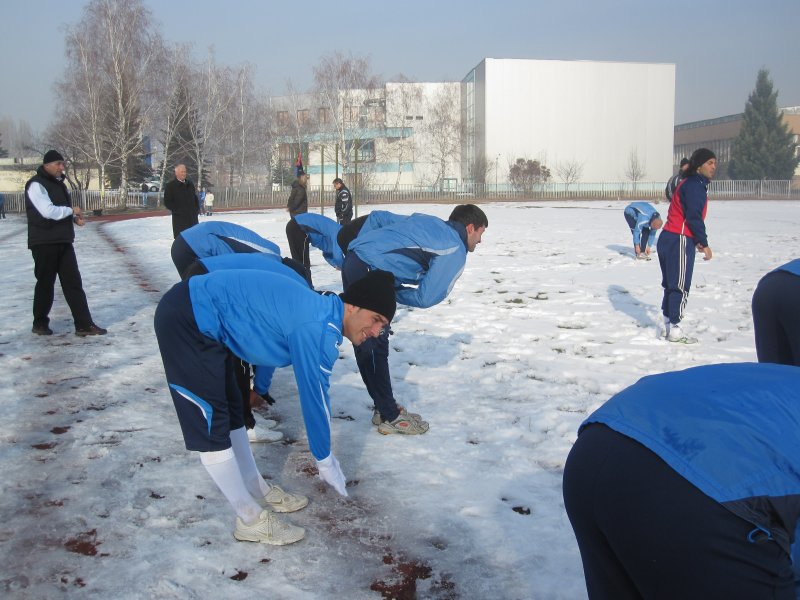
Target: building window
302 116
286 153
324 115
283 118
366 150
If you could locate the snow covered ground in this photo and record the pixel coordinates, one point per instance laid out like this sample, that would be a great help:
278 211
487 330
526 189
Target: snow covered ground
551 317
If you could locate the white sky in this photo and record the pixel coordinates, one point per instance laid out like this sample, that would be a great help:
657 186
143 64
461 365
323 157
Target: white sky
551 317
717 45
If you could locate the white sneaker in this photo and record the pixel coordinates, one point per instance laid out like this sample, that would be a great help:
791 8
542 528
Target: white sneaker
676 334
269 529
268 436
268 423
283 502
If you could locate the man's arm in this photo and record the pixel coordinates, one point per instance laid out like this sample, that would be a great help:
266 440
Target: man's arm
694 197
42 203
437 282
168 200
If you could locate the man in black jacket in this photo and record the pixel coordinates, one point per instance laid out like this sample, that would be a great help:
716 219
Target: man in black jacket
344 202
50 235
298 204
180 197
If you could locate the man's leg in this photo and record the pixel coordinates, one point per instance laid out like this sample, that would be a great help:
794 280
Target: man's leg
72 286
182 256
45 269
372 357
775 322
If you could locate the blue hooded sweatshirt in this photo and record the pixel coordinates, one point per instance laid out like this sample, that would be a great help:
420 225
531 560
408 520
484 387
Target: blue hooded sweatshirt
212 238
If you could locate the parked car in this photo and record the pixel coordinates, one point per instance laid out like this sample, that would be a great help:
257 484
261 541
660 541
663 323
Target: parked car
152 184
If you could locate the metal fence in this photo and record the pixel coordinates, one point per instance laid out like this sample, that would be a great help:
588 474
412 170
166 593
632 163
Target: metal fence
324 196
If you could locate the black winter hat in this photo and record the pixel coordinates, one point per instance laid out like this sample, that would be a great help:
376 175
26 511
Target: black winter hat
700 157
684 161
374 292
52 156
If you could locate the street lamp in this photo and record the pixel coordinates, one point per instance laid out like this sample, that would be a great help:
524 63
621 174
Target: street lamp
496 164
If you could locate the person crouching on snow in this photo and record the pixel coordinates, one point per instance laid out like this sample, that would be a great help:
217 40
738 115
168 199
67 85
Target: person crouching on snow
644 220
266 319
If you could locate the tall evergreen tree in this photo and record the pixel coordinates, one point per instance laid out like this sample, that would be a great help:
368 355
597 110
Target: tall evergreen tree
764 148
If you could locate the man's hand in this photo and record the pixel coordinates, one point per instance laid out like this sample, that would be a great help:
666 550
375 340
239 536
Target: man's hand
706 251
647 251
77 216
256 399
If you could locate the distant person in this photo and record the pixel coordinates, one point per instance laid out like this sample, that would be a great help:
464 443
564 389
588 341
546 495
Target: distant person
209 203
776 315
673 182
684 235
344 202
180 198
271 320
686 485
297 204
426 255
2 206
51 232
644 220
201 201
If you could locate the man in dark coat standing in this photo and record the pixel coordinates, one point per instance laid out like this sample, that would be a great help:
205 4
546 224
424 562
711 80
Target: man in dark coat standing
344 202
51 232
180 198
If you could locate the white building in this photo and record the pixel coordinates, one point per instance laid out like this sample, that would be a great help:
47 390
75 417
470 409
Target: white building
597 115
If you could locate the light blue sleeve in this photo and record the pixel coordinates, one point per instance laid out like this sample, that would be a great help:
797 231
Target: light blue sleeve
637 233
314 352
263 379
437 282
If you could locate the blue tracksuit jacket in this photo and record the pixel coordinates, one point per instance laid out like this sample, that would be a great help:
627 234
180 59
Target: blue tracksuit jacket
419 250
643 212
271 320
212 238
792 267
731 430
322 232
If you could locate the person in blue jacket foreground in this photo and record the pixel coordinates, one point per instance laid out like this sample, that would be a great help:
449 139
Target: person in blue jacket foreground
259 261
776 315
426 255
213 238
687 485
644 220
266 319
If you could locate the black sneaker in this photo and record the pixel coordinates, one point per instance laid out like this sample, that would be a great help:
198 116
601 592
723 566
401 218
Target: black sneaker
90 330
42 330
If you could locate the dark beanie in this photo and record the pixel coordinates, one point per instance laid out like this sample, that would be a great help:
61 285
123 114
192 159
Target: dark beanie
52 156
374 292
700 157
684 161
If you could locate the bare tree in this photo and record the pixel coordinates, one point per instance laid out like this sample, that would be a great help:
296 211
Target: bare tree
635 169
569 171
105 90
526 174
404 100
353 99
442 127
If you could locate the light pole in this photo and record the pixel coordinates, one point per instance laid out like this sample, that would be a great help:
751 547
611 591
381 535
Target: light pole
496 164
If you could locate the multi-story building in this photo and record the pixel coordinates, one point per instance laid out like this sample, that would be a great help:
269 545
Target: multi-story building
597 118
718 135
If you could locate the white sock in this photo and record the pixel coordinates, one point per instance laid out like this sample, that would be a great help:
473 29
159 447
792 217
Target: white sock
224 470
667 324
255 483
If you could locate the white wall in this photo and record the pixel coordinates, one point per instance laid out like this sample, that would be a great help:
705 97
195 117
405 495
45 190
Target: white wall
592 112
